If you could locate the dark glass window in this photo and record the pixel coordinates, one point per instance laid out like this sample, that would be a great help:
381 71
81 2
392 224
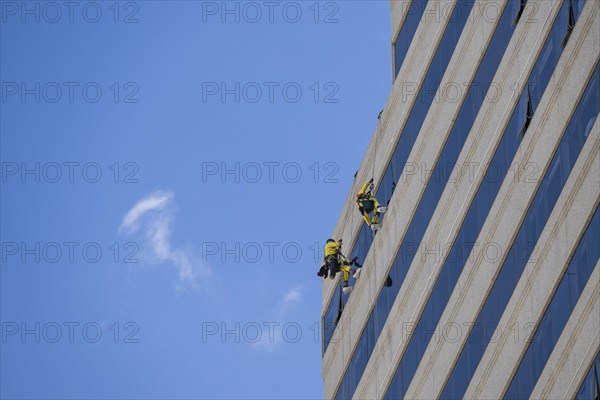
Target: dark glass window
433 191
537 214
590 388
407 139
528 113
407 32
424 99
520 9
570 23
557 313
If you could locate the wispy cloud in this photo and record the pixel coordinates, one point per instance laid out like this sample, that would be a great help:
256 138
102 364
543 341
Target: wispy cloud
288 301
154 216
291 297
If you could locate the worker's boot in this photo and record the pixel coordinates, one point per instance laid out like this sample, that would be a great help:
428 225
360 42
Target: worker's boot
346 289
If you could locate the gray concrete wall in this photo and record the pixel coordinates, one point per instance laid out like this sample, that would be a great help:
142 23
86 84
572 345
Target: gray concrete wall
379 152
576 349
558 240
455 201
552 115
542 274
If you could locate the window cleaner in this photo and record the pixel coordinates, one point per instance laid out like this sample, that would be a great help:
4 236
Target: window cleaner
368 204
334 261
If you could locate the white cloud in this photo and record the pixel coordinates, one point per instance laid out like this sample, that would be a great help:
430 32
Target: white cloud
269 342
154 216
290 298
156 201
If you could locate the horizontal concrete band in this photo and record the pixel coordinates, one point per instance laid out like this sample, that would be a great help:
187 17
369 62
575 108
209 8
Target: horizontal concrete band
576 349
436 127
393 118
479 148
575 207
554 111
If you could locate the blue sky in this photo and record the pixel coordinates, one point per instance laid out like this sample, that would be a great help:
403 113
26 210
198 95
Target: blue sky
115 133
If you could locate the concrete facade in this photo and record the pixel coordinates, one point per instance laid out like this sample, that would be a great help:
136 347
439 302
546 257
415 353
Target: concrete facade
579 343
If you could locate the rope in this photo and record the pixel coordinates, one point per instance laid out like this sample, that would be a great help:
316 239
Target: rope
377 138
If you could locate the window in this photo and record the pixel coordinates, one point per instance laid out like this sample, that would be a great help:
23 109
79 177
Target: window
522 4
564 300
419 222
528 114
570 24
407 32
590 388
537 215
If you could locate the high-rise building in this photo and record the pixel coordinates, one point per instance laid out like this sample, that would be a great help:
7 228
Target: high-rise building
483 280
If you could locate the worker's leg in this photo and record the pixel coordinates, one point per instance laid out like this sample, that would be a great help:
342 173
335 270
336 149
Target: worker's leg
375 203
346 273
323 271
363 189
364 214
367 218
334 266
346 268
376 208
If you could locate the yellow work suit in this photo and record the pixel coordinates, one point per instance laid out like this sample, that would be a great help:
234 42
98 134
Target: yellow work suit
332 248
368 204
346 269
